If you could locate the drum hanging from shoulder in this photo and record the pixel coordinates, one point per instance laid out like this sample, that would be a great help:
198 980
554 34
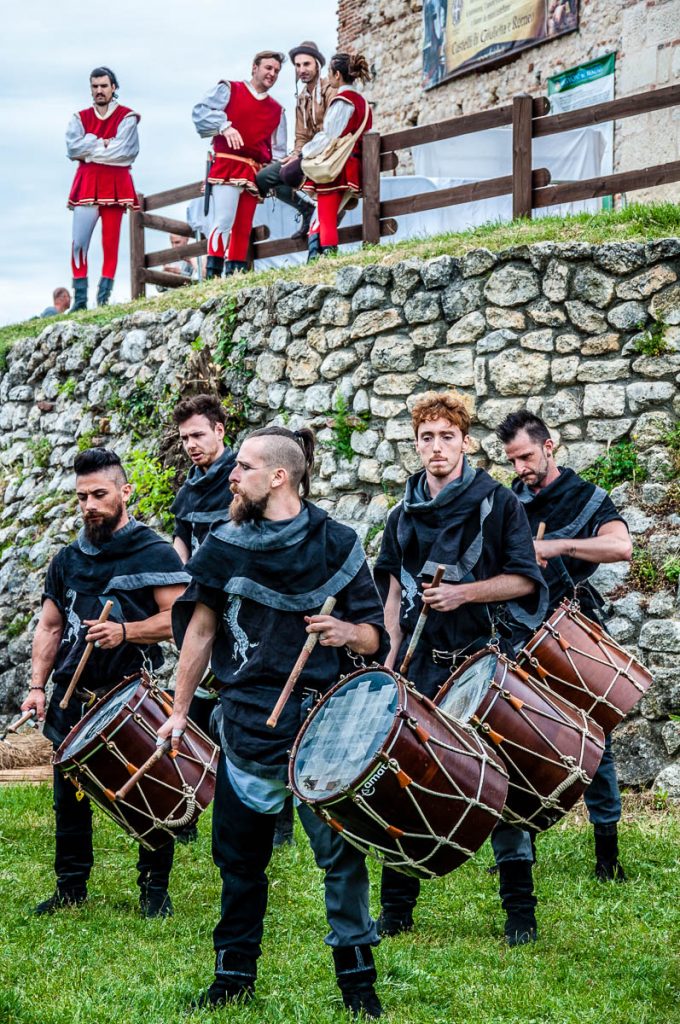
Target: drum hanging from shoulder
576 658
115 738
550 748
395 777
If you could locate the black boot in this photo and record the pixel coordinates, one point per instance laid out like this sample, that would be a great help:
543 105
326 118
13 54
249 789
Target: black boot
607 865
313 247
104 291
329 250
306 210
79 294
518 901
154 868
154 901
398 897
61 899
283 831
235 978
213 267
356 975
235 267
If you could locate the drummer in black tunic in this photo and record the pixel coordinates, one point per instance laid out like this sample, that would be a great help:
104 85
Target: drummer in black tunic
462 518
258 584
114 558
583 529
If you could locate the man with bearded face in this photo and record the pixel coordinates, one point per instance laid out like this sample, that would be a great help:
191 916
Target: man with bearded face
114 558
583 529
462 518
258 582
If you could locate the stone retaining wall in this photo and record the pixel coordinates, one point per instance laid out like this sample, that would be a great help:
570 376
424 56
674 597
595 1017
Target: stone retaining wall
555 328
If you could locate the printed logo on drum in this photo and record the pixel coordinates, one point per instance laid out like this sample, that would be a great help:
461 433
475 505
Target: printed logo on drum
368 788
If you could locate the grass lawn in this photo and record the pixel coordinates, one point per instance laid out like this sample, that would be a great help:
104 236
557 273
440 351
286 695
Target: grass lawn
607 954
636 223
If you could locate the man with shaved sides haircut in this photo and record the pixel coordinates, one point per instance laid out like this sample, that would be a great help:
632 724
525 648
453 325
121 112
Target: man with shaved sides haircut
258 583
114 558
583 529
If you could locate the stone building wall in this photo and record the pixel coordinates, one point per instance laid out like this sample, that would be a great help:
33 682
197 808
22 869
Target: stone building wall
644 33
555 328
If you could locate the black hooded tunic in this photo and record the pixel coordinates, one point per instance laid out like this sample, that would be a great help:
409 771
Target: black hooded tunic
261 580
203 499
477 529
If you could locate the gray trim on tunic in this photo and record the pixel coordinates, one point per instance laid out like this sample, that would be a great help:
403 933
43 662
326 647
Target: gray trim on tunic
147 579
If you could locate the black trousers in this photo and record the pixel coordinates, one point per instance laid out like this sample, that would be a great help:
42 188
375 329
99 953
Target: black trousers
74 855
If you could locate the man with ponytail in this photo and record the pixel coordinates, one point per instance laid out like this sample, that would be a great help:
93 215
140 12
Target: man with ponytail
258 582
103 139
349 113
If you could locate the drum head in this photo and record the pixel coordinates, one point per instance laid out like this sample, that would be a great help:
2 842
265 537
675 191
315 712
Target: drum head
99 718
345 735
466 691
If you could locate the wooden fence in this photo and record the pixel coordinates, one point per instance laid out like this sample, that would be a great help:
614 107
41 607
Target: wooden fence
530 188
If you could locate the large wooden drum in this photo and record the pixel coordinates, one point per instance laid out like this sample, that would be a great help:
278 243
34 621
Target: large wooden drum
395 777
550 748
115 738
576 658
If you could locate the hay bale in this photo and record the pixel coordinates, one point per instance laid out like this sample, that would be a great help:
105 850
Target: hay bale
25 750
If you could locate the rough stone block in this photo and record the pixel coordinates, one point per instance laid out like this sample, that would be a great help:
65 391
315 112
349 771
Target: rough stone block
477 261
586 317
512 285
394 352
592 286
608 430
461 297
518 373
603 369
496 341
539 341
395 383
619 257
642 395
556 281
423 307
604 400
437 273
666 305
600 344
563 371
369 296
498 317
641 286
562 407
467 330
453 367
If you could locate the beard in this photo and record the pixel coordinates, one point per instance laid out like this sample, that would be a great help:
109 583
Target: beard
101 530
247 510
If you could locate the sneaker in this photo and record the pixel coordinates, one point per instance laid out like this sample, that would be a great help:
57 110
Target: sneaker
362 1001
155 903
61 899
389 925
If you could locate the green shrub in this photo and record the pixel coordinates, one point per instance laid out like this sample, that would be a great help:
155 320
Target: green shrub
620 463
652 342
343 424
41 449
153 493
68 387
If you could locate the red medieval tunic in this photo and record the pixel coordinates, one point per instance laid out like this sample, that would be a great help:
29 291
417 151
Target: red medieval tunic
103 184
349 179
256 120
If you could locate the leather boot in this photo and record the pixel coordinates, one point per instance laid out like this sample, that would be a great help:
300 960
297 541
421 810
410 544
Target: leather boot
313 247
356 976
306 208
104 291
235 978
518 901
235 267
79 294
607 865
329 250
214 267
61 899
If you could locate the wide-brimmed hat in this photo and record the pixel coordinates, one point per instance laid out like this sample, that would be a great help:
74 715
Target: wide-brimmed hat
310 47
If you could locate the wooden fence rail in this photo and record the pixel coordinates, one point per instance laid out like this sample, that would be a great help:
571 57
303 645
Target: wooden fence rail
529 187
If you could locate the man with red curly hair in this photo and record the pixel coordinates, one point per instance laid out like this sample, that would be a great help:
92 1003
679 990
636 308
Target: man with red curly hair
460 517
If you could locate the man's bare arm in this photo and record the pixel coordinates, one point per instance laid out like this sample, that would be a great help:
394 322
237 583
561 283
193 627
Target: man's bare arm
449 596
612 543
362 637
181 549
193 661
147 631
392 616
46 640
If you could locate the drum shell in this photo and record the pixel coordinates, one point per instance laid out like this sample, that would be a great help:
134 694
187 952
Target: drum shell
479 776
541 738
98 769
594 672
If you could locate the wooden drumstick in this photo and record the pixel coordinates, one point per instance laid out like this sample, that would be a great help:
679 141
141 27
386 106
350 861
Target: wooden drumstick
420 624
64 702
310 644
158 753
540 531
15 726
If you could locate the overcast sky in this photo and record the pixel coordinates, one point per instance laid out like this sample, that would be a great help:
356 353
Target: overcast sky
166 54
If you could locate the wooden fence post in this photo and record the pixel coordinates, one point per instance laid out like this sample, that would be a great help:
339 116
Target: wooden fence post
522 128
137 282
370 187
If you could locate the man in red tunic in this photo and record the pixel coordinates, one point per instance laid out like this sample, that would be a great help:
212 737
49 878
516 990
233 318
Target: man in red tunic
103 139
248 129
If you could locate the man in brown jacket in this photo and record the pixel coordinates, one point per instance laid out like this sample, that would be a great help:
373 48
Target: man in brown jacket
282 177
